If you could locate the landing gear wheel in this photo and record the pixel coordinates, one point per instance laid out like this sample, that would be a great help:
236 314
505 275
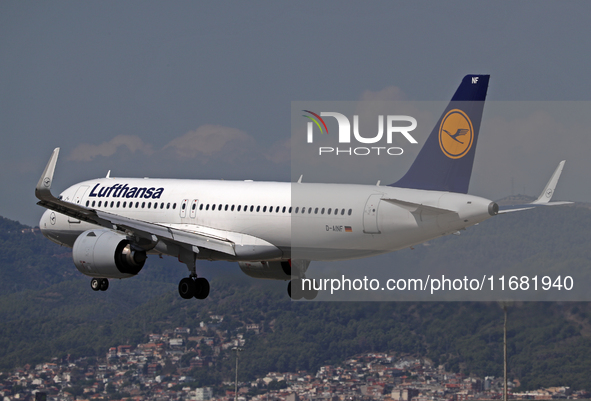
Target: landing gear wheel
294 289
104 284
187 288
311 293
202 288
95 284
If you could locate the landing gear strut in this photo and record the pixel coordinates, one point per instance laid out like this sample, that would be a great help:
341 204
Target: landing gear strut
197 287
99 284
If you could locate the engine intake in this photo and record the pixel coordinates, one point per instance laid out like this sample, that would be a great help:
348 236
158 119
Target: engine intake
107 254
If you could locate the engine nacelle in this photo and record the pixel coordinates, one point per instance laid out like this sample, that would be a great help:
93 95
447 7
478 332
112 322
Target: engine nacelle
106 254
268 270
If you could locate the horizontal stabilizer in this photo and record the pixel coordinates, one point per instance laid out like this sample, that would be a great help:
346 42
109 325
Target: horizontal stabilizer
417 207
545 196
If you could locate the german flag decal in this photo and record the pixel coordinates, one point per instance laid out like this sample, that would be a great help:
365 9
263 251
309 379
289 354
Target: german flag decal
348 229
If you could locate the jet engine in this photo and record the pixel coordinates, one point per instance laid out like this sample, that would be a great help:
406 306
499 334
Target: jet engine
106 253
268 270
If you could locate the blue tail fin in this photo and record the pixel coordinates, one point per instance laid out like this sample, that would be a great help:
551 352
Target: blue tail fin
445 161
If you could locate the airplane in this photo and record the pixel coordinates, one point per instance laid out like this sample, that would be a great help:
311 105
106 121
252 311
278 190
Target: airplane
113 224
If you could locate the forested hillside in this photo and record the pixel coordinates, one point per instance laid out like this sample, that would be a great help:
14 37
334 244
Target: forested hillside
47 309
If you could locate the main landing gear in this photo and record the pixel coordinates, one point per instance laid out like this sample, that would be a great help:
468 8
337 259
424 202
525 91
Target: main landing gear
192 286
197 287
99 284
296 292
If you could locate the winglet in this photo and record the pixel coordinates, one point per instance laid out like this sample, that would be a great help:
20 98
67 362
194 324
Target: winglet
43 189
547 193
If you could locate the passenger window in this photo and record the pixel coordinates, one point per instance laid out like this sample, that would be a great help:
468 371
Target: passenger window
184 206
168 205
270 209
350 211
277 209
93 203
124 204
238 208
174 206
322 211
264 208
289 209
143 204
284 210
251 208
310 210
258 208
220 207
207 207
149 205
316 211
100 203
213 207
329 210
194 206
118 203
232 208
201 206
112 203
226 208
87 202
342 212
162 205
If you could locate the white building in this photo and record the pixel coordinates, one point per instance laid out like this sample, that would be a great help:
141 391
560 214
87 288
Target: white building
203 394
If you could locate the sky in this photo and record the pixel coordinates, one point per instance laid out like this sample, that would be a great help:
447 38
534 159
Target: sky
193 89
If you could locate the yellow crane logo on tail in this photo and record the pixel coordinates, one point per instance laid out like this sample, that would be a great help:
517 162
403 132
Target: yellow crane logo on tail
456 134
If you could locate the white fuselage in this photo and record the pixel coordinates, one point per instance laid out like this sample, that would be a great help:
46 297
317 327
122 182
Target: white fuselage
273 220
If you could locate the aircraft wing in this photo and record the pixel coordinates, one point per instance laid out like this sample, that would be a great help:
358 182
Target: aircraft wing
139 228
545 196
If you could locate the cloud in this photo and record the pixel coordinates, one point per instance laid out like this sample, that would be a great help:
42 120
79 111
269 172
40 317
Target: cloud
87 152
280 152
209 139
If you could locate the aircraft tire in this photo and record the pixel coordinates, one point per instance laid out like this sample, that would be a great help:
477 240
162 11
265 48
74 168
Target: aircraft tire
95 284
295 289
201 288
104 284
310 294
187 288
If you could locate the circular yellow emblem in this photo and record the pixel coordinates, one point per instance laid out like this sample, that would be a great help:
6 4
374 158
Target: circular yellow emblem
456 134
